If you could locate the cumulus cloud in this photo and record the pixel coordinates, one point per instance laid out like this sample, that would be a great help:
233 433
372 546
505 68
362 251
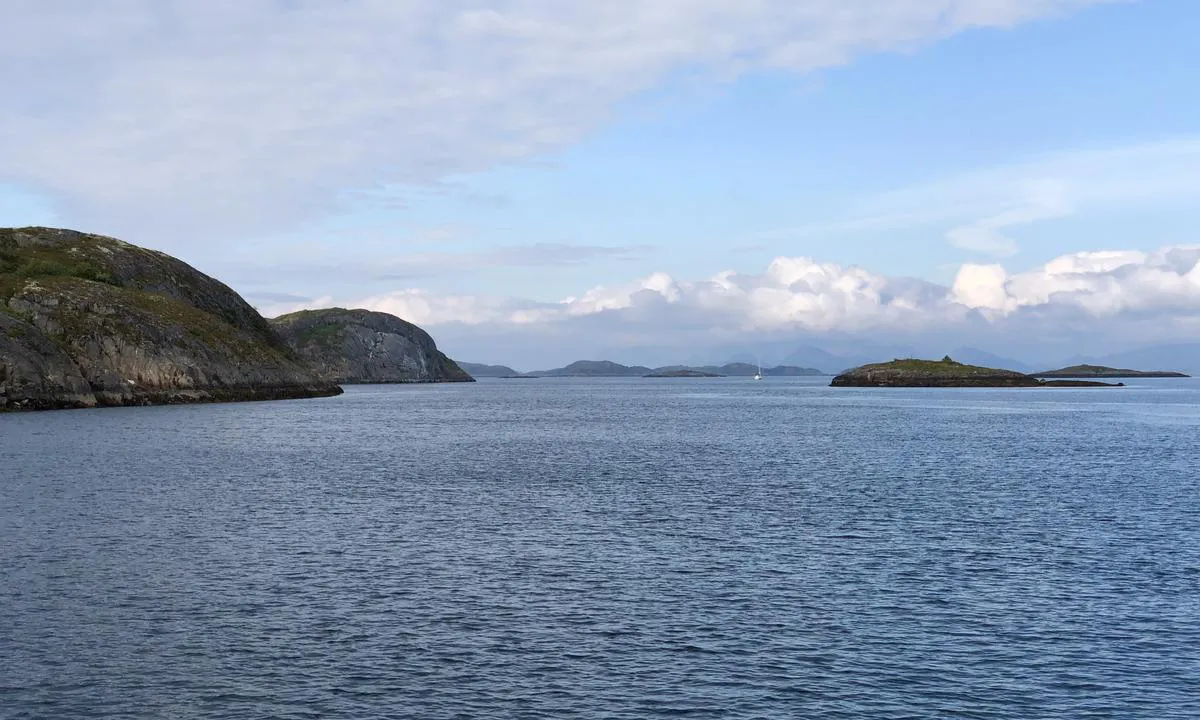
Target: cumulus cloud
790 293
1067 295
238 115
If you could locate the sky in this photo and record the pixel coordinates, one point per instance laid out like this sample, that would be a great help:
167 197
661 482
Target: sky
536 181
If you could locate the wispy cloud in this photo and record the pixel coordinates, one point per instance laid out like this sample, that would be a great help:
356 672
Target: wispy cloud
323 265
979 211
532 255
239 116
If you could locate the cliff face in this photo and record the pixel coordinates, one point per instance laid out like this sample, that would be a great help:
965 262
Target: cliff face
87 320
360 346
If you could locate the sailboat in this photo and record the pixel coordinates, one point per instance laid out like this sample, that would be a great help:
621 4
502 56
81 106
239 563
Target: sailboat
758 375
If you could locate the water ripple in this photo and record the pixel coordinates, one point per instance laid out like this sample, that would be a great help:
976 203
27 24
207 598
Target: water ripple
610 550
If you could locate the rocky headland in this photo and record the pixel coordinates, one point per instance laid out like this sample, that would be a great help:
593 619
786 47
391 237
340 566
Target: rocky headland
88 320
946 373
360 346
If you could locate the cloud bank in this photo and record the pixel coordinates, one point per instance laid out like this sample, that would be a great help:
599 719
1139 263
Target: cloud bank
238 116
1103 297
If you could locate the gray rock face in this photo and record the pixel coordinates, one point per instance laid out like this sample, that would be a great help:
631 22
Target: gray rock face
87 320
361 346
35 373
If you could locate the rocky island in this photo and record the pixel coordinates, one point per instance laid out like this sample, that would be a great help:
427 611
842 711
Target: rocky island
360 346
945 373
1100 371
88 320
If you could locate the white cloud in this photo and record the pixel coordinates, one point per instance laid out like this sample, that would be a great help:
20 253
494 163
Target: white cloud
791 293
982 287
238 115
1116 288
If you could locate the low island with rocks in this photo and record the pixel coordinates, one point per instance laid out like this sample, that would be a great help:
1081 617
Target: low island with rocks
1101 371
947 373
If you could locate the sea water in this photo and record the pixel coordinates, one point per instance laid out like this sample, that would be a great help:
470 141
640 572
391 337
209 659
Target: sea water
701 548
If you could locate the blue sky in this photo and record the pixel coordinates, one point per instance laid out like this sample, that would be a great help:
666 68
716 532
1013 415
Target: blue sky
928 166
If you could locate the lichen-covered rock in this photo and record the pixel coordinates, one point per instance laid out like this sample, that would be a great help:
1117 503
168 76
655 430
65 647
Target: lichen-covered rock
91 320
361 346
35 373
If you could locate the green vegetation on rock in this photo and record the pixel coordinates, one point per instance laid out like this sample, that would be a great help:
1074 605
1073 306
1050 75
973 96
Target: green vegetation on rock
90 320
912 372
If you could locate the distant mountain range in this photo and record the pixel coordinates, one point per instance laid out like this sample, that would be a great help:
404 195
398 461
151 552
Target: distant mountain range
809 360
606 368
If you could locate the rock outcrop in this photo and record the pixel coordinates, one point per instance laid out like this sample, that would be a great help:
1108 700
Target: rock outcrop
944 373
88 320
361 346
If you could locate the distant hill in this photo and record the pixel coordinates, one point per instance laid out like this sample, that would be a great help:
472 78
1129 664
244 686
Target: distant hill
1184 357
481 370
606 368
808 356
594 368
1100 371
975 356
748 370
834 362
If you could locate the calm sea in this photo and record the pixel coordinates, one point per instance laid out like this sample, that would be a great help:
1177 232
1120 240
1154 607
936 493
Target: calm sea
608 549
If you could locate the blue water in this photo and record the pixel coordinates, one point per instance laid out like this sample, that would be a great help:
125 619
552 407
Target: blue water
608 549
